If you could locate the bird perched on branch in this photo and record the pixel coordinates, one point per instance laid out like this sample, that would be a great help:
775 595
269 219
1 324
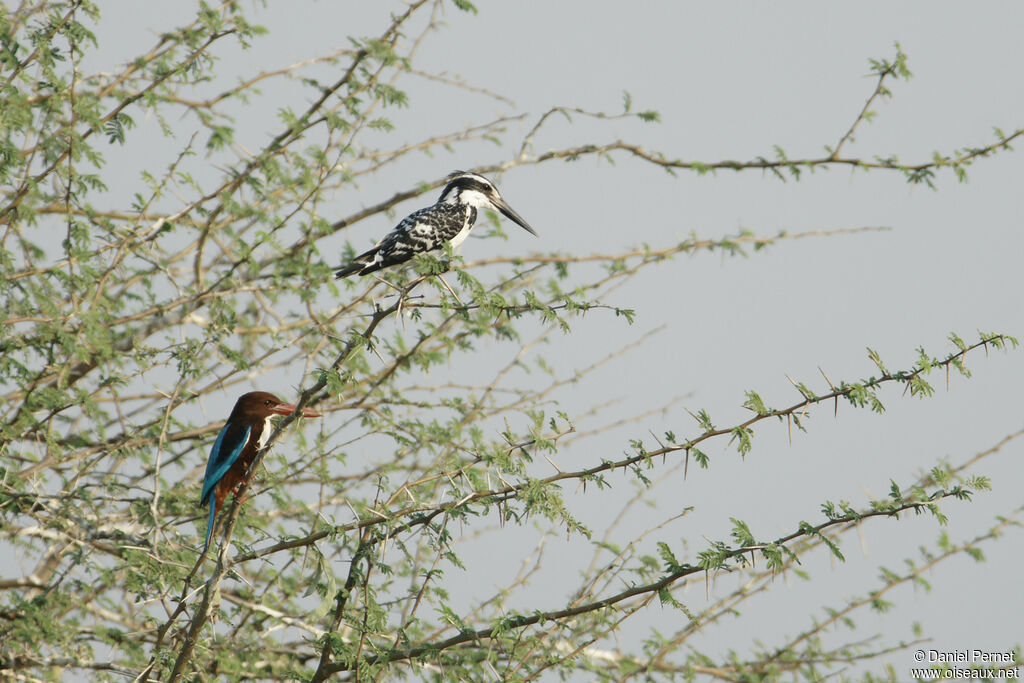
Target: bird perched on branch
245 433
448 221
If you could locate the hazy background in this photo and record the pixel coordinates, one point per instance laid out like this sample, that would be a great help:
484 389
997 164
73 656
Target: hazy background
731 80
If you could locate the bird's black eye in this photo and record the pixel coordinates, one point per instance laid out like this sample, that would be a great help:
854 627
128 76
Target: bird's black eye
267 402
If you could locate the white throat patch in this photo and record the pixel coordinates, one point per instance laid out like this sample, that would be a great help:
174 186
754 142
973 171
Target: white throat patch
264 434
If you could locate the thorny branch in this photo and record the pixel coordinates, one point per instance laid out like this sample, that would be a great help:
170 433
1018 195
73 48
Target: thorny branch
234 260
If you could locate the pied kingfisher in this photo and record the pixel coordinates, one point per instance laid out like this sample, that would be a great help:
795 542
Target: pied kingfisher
447 221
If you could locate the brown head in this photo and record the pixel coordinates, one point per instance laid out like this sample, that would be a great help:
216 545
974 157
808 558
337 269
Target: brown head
257 406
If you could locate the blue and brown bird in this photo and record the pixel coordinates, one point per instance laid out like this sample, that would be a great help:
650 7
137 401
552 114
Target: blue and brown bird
246 432
446 222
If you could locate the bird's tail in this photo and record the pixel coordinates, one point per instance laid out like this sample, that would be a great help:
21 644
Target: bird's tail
209 525
348 270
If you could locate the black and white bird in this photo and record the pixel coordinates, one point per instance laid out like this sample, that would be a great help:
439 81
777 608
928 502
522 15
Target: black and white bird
446 222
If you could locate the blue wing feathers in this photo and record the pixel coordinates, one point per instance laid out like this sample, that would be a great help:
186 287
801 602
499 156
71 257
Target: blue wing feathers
225 452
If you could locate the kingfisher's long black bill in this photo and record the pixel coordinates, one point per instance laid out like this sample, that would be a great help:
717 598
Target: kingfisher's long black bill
512 215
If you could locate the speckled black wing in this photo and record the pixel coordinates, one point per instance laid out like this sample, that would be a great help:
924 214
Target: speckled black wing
419 232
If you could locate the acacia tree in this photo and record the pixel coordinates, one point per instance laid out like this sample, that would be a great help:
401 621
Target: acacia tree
129 317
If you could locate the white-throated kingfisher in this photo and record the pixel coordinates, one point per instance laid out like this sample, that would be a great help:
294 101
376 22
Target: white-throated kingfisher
245 433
